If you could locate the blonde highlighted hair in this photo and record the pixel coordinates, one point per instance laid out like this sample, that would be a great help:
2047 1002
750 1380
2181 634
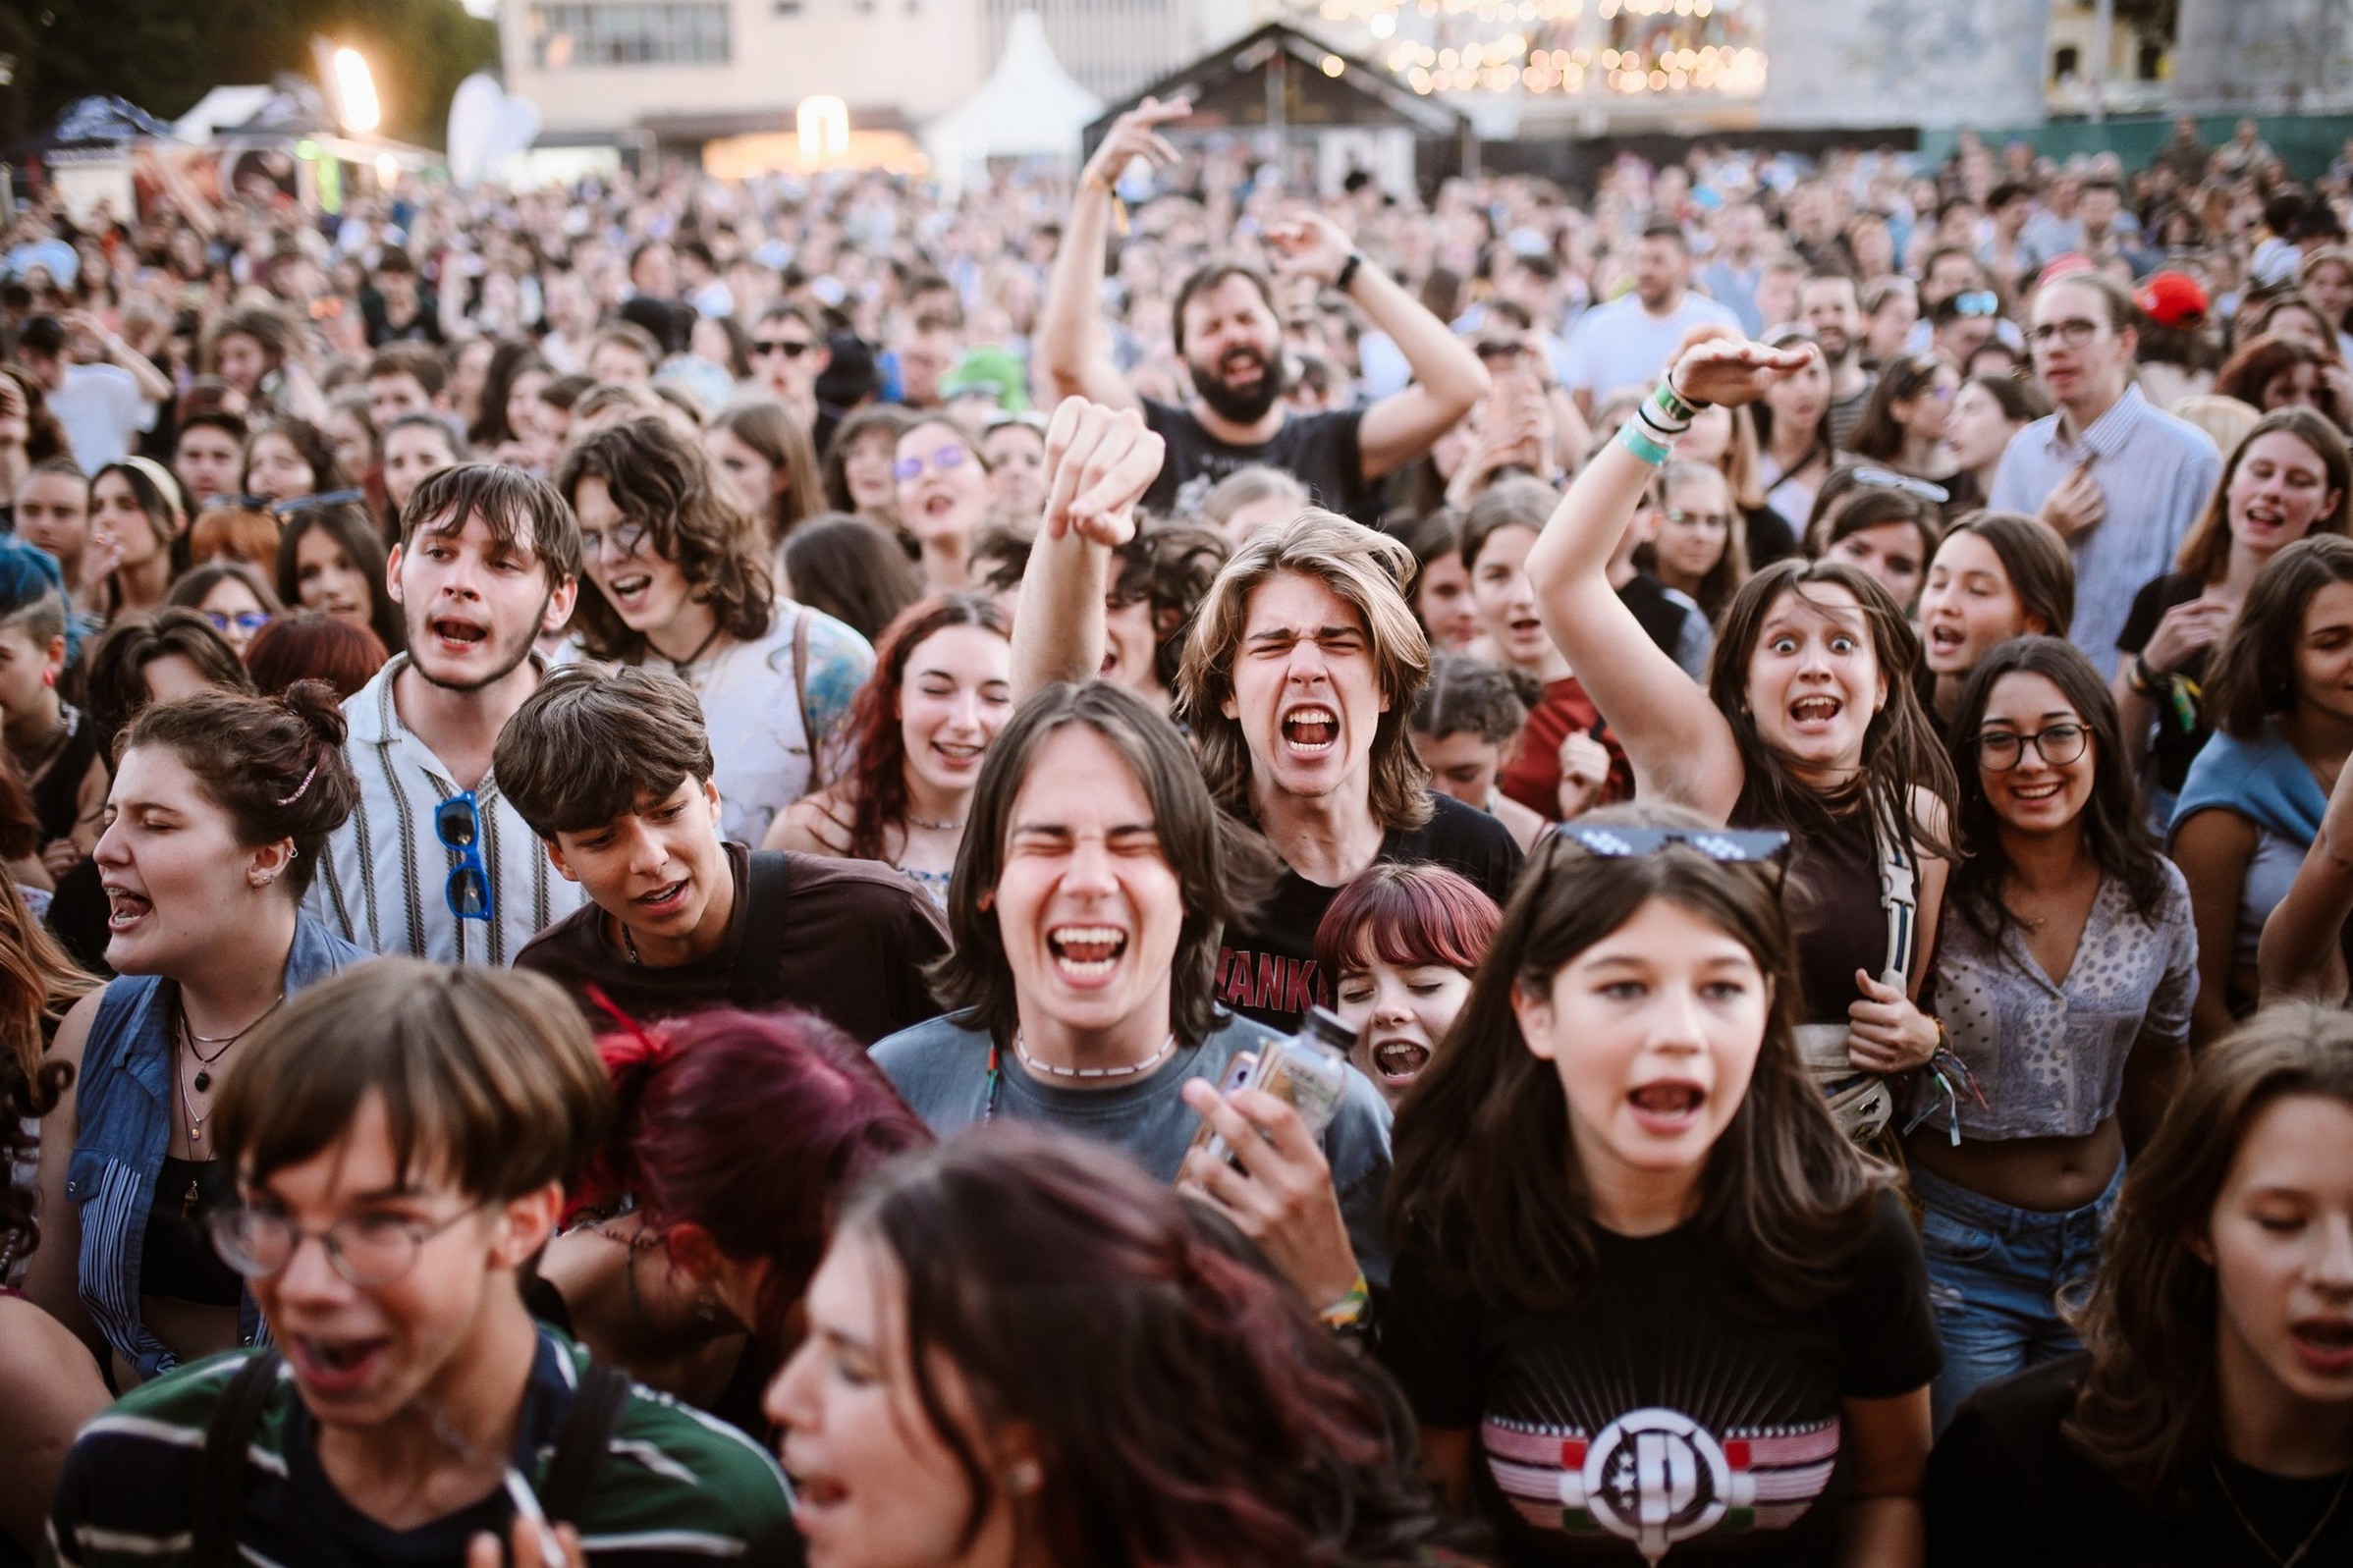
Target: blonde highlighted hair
1372 572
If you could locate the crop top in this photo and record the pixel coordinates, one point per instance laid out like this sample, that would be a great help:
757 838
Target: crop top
2049 1057
176 1257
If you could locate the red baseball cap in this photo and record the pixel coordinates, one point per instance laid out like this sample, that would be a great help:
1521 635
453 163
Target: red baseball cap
2173 299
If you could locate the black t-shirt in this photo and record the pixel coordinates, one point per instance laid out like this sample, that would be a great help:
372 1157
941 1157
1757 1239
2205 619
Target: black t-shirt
1770 537
1319 450
2176 746
2005 1485
1267 968
1657 1420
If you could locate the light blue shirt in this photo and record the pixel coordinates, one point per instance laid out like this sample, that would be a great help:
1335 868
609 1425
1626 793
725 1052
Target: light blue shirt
2155 472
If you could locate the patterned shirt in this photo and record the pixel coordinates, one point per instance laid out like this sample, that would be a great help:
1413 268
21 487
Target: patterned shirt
2048 1056
2155 473
677 1487
383 882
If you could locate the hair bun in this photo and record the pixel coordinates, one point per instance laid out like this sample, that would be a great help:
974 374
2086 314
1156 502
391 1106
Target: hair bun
315 703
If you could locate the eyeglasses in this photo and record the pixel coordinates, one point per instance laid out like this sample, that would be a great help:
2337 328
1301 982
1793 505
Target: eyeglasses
626 540
1977 303
458 823
1696 520
300 504
790 347
2000 750
2074 333
942 461
247 622
1889 479
1726 845
367 1250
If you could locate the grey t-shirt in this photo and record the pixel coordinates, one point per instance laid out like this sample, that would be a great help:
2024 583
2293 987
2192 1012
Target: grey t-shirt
941 1068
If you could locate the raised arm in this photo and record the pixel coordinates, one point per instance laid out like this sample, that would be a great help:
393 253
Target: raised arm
1681 748
1099 462
1071 345
2303 941
1447 378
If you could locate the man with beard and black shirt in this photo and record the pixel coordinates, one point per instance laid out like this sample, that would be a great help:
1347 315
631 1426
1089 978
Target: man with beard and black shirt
1230 335
1826 302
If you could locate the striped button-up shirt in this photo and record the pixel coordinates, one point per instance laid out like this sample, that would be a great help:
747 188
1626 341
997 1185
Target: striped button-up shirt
383 883
2155 472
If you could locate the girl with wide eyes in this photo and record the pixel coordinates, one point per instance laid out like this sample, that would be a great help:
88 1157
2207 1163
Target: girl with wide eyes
2281 702
941 690
2289 477
2064 979
1402 941
2210 1419
1809 723
996 1337
1998 575
1632 1239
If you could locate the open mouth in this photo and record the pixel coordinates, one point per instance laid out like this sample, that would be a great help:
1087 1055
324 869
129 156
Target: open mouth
1814 711
2325 1343
665 899
959 757
1242 367
1311 729
814 1491
2031 792
125 909
1525 628
333 1366
459 633
1086 955
1946 640
1396 1062
1667 1106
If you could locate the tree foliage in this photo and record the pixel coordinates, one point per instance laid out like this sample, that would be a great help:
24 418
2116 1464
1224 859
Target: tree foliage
163 55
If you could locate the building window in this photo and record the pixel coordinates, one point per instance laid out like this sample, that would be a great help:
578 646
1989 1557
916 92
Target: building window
647 32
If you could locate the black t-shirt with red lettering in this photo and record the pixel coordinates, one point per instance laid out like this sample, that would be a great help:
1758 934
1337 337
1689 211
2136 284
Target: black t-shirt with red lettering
1267 968
1664 1418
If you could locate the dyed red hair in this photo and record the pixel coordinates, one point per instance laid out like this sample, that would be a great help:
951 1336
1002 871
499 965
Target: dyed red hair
1406 914
748 1126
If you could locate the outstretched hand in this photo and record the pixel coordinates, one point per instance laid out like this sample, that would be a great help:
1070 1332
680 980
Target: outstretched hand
1136 135
1099 462
1715 364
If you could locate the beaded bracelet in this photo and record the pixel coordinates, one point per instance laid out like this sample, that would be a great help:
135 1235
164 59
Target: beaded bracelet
1343 1313
1638 441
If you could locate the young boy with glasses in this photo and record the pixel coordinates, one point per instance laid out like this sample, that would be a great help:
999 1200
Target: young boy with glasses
410 1406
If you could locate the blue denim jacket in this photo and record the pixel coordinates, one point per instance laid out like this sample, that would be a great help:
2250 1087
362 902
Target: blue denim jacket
124 1107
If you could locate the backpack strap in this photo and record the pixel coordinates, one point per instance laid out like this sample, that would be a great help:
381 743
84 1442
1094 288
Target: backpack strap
221 1498
763 929
800 695
569 1482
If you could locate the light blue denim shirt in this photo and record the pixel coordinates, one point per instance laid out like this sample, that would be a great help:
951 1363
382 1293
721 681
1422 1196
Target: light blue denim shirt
123 1127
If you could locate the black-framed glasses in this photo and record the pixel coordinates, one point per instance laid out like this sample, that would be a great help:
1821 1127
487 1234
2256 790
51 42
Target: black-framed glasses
367 1250
1729 846
1936 495
2000 750
2074 333
790 347
626 540
458 823
283 509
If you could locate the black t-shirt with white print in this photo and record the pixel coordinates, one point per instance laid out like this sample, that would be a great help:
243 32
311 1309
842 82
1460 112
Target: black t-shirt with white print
1319 450
1660 1420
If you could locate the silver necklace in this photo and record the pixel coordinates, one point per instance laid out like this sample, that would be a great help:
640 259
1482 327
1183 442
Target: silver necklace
937 827
2248 1525
1135 1069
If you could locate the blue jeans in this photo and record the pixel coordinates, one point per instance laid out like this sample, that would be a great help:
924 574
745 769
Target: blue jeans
1994 1278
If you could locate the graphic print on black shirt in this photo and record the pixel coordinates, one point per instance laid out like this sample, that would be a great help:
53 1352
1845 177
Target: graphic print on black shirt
1319 450
1662 1419
1267 968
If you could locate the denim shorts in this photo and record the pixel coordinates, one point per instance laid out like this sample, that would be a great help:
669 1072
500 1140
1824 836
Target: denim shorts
1996 1276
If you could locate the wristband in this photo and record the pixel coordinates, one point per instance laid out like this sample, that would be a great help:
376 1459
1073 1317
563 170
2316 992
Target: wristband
1660 410
1348 271
1673 403
1691 405
1655 427
2141 678
1348 1309
1639 442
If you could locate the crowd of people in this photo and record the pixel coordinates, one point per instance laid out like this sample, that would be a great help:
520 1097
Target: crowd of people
754 802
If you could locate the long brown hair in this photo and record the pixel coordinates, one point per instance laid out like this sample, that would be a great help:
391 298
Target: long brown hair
39 982
2254 670
770 429
2148 1409
1487 1172
2206 552
658 478
878 802
1900 748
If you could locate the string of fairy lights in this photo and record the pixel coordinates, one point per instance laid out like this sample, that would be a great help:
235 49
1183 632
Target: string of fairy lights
1625 47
